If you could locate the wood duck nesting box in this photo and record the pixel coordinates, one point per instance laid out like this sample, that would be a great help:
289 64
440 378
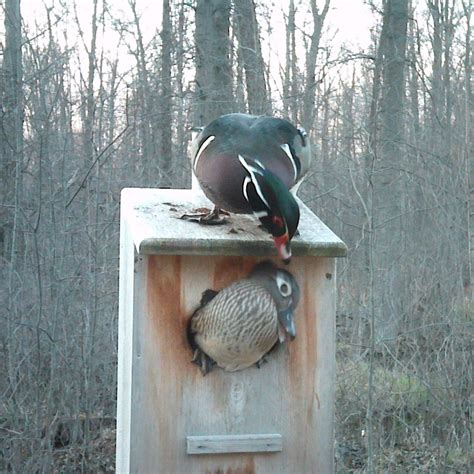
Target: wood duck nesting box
171 419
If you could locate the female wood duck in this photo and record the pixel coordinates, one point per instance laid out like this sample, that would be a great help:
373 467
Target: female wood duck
248 164
235 327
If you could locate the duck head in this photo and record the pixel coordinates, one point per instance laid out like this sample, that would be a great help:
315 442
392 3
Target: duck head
285 291
272 203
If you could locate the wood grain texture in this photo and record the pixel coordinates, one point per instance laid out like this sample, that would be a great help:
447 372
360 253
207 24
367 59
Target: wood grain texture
263 443
291 394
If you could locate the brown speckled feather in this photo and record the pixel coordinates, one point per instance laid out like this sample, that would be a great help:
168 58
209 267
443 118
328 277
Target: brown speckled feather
236 327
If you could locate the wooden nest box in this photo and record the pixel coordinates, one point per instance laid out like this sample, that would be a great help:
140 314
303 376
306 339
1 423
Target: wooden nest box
171 419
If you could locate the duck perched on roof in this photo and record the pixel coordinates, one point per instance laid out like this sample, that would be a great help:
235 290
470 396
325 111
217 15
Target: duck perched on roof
237 326
248 164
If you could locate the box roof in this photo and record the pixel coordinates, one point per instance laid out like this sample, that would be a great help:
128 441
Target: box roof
153 218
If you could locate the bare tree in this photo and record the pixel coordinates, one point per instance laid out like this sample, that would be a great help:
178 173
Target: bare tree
290 76
11 133
182 132
385 255
387 177
311 58
89 111
213 71
166 96
12 246
249 45
468 149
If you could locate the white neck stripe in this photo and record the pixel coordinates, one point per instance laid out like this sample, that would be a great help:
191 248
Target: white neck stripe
247 180
252 171
286 148
204 145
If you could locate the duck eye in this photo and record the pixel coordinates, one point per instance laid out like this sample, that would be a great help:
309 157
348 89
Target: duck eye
284 289
283 286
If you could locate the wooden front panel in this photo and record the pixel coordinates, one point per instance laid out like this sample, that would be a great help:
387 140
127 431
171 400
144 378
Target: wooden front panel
291 394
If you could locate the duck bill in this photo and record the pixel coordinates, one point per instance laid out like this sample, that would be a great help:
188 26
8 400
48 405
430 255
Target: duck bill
286 324
282 244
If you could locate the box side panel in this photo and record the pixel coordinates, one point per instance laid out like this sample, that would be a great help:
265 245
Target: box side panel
290 395
125 334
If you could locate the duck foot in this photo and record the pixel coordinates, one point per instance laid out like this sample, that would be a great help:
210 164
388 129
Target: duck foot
203 361
213 217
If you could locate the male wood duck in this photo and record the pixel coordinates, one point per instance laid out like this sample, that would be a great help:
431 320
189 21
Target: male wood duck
248 164
237 326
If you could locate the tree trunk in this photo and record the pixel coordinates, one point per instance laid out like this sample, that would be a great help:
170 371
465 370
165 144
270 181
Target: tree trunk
11 131
290 78
249 45
146 105
213 71
469 153
437 74
166 93
183 175
90 97
385 247
309 98
387 178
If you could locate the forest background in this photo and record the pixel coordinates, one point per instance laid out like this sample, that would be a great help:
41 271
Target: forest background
95 98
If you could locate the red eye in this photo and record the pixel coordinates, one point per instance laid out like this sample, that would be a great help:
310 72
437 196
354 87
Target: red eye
278 221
